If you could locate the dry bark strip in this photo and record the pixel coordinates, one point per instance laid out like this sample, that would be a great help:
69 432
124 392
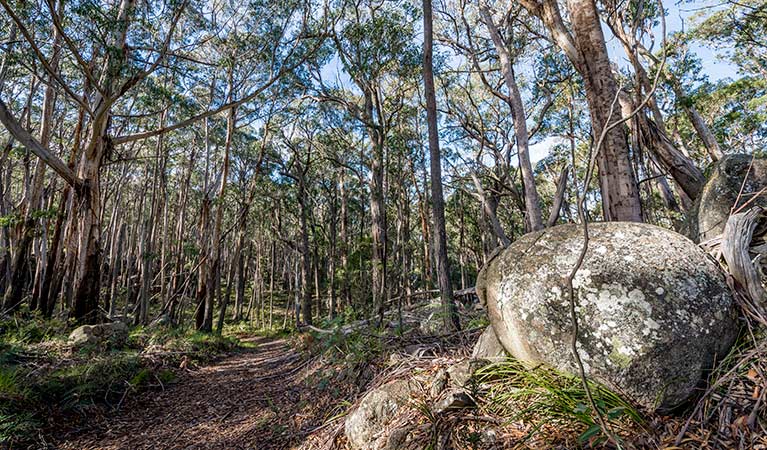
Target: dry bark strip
736 241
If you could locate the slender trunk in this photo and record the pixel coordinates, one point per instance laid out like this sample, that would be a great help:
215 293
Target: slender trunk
202 273
378 222
116 258
239 295
532 202
559 197
344 237
332 310
489 210
273 262
437 196
306 296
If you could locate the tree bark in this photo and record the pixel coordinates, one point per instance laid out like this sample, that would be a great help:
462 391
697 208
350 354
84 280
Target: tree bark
451 321
620 195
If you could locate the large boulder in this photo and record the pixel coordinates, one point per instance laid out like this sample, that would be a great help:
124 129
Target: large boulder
367 427
654 310
113 334
710 213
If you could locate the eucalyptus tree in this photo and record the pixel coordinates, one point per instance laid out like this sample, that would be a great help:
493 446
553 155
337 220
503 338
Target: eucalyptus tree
301 153
451 321
110 69
488 46
632 27
21 261
374 42
514 99
735 107
582 40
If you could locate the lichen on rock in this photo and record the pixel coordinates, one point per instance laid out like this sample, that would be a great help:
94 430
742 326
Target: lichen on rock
653 308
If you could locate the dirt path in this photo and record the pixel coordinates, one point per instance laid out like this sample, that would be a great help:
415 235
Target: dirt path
262 398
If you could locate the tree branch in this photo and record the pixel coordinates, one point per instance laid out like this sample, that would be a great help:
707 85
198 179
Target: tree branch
28 141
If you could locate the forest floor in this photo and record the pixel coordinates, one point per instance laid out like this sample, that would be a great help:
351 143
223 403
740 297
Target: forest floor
264 396
171 390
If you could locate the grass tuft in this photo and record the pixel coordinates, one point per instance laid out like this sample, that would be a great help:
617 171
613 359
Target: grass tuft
541 396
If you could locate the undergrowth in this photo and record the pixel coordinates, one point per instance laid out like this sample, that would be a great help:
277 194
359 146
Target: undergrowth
358 346
542 396
31 329
40 374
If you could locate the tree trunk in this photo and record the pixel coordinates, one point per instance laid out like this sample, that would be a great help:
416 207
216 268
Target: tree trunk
620 194
532 202
378 222
306 296
451 321
559 197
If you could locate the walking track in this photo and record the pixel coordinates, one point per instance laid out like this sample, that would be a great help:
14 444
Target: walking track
261 398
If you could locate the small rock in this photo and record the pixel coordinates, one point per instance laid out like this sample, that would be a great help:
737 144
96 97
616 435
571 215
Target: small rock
460 374
488 347
453 399
366 426
439 383
113 334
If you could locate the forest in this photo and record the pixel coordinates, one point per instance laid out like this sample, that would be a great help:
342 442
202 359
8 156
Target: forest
383 224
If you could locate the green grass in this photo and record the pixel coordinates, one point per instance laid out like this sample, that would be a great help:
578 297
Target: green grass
200 346
100 379
31 329
541 395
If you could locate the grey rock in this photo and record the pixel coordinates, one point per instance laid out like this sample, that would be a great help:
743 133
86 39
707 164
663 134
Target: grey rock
709 215
113 334
654 309
461 373
439 383
366 426
488 347
451 400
